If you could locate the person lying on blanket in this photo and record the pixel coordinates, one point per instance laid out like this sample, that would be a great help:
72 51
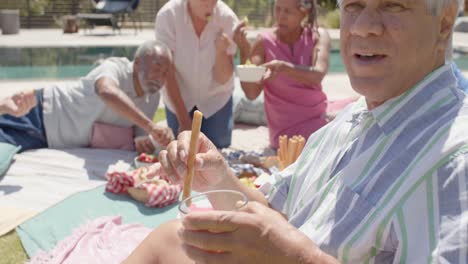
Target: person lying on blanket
384 182
111 99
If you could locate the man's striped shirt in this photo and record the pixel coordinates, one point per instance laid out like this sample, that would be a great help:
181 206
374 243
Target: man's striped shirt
387 185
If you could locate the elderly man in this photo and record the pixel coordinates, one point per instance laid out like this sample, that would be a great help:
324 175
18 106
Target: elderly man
109 100
385 182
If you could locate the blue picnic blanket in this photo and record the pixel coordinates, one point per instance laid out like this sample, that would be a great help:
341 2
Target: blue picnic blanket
45 230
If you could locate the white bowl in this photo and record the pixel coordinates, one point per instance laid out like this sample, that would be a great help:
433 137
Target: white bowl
139 164
250 73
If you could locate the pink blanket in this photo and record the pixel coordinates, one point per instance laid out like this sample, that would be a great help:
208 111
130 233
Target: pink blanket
104 240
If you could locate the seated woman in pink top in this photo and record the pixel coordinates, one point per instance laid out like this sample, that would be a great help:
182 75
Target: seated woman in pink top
297 57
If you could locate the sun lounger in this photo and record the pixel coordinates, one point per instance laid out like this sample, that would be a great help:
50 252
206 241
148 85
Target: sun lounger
94 19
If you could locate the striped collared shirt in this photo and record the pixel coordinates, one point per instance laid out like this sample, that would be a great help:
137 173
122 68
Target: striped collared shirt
387 185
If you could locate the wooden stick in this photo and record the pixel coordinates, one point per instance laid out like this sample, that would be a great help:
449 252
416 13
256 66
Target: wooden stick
292 146
300 146
196 125
279 158
283 151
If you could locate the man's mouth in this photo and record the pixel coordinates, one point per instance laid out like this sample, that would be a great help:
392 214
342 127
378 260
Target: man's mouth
369 56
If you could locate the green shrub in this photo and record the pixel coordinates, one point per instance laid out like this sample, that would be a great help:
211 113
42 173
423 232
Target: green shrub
332 19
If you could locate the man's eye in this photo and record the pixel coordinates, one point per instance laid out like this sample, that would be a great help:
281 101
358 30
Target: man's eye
393 7
353 7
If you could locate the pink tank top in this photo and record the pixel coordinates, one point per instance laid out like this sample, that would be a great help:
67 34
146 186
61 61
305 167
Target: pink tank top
292 108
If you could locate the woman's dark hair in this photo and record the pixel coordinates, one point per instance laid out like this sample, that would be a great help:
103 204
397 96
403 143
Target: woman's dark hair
310 6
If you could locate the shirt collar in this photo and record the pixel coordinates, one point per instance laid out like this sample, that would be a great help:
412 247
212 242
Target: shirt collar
391 114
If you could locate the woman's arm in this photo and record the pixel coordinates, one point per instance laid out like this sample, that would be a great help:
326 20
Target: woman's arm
257 57
313 74
173 92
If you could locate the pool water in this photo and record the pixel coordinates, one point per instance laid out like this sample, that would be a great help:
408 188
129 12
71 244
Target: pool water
61 63
55 63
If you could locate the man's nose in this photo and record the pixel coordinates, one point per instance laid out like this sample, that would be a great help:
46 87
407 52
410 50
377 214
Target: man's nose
368 22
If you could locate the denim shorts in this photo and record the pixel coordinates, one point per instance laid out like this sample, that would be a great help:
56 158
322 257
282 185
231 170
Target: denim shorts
218 127
26 131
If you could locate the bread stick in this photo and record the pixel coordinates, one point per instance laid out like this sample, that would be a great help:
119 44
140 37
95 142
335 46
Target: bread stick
292 146
196 125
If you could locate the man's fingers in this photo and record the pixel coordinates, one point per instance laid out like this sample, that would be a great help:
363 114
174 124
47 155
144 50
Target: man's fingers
209 160
204 257
183 144
206 240
218 221
31 99
155 169
163 159
148 146
138 147
173 156
14 107
183 140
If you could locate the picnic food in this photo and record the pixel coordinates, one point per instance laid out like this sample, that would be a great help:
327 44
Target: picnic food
249 181
140 193
149 158
250 72
289 150
145 160
196 125
143 185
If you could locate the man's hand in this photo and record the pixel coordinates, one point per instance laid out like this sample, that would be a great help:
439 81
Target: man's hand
143 144
255 234
163 135
19 104
210 166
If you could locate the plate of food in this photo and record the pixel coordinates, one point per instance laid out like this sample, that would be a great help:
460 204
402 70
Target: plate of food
250 72
145 160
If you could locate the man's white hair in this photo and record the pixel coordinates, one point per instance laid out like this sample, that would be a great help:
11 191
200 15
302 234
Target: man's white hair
436 7
152 47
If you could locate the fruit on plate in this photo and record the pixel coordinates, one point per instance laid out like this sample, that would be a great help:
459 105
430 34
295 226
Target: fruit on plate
148 158
249 181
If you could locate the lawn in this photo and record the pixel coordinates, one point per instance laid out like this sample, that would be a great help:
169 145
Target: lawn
11 250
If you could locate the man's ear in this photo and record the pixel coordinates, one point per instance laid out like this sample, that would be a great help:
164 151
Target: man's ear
447 21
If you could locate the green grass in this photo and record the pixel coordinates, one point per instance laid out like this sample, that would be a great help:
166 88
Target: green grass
11 250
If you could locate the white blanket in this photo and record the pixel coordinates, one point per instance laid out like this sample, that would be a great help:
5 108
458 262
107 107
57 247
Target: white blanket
40 178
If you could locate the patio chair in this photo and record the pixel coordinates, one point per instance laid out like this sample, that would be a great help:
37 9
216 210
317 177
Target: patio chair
112 13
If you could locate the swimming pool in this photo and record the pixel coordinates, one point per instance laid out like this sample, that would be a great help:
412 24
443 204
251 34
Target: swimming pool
54 63
73 62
